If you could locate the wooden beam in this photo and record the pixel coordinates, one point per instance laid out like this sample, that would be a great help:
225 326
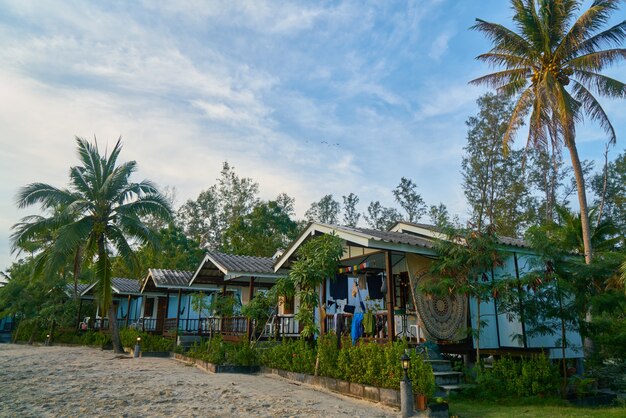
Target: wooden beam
391 326
80 310
128 311
250 296
177 315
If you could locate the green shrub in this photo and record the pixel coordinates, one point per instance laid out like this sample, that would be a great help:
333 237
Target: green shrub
520 378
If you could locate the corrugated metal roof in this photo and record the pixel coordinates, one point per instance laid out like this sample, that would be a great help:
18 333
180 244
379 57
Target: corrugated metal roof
243 263
69 288
167 278
126 286
514 242
390 237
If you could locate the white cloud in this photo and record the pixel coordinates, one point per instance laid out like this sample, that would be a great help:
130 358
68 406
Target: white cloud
440 45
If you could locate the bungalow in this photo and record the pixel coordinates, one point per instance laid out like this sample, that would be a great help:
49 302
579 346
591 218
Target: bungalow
375 284
126 297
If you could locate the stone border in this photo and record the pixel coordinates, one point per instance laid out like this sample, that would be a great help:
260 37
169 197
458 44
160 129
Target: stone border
216 368
389 397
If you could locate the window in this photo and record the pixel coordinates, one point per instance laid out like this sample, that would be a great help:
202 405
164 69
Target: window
149 307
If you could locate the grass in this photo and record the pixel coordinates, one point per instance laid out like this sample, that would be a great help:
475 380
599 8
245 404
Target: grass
544 408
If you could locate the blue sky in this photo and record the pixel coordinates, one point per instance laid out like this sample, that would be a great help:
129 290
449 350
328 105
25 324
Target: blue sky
307 98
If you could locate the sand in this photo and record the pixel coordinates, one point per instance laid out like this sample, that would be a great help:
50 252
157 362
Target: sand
79 381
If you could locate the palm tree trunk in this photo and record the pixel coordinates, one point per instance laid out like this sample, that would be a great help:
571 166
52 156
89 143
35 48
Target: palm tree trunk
582 201
115 331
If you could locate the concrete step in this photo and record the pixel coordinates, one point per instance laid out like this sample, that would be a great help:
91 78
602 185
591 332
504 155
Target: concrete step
448 378
440 365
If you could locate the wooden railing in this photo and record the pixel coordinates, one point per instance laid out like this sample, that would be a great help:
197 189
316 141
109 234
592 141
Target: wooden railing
342 324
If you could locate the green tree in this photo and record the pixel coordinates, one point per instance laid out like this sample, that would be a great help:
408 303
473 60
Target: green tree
326 211
381 218
351 214
494 183
218 207
175 251
554 64
261 232
465 263
103 210
614 193
411 201
318 260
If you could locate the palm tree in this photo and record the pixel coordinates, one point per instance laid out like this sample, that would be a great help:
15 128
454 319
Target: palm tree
554 64
98 216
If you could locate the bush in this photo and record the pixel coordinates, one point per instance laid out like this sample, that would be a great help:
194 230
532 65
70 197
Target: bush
149 342
518 378
215 350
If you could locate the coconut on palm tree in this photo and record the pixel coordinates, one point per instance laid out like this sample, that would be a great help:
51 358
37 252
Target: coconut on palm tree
554 63
100 213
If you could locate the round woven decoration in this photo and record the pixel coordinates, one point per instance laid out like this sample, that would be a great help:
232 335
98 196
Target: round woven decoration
443 317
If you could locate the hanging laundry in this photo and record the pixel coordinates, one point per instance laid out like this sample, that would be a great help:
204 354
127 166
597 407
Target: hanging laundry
374 286
339 287
357 327
369 323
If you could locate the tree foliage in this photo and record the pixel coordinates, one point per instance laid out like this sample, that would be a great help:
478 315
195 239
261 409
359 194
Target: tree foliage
326 211
411 201
553 64
101 211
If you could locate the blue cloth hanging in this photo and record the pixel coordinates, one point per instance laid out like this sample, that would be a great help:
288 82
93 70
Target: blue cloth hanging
357 327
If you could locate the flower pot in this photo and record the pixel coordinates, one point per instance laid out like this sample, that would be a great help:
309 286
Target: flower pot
420 402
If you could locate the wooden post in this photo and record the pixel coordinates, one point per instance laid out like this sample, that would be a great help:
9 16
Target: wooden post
222 315
178 315
391 326
80 310
250 296
323 306
128 312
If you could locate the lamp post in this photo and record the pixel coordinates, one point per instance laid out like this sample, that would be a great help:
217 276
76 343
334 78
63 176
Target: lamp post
47 343
406 388
137 347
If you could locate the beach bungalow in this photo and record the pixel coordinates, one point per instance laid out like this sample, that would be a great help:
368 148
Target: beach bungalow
126 297
240 277
375 285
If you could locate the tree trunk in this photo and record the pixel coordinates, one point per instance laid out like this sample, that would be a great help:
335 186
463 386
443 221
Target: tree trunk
478 330
115 331
582 201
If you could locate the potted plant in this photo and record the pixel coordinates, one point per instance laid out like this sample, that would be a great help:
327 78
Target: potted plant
421 374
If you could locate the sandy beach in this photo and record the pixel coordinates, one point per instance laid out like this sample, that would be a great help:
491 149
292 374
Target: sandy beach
79 381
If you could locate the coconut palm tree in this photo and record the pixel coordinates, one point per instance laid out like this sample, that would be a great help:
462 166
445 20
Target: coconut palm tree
553 63
98 216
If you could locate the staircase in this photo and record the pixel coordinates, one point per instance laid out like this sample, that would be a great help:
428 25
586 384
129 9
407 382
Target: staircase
446 380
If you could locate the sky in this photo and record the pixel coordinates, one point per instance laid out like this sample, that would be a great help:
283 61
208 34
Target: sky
306 98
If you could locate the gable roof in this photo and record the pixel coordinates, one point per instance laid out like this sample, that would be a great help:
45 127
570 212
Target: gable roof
168 279
225 267
119 285
438 233
368 238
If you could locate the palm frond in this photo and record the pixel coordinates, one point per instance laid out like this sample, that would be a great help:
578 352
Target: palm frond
589 22
148 205
517 117
507 60
111 160
91 160
601 84
501 78
48 196
80 183
594 110
609 38
597 61
123 249
504 39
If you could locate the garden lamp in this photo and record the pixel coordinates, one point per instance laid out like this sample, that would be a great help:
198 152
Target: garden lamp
137 347
406 362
